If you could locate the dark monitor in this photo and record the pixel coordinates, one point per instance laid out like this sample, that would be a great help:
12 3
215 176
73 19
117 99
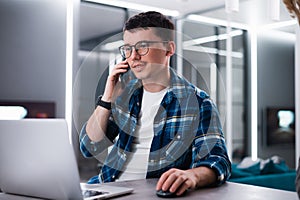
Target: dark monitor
280 125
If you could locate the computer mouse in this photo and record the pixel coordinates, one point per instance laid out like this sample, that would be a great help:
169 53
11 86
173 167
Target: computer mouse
165 194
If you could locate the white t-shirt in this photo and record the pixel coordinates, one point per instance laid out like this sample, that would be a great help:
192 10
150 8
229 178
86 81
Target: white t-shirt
137 162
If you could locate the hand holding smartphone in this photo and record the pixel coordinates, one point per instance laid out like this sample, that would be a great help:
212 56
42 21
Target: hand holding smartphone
124 59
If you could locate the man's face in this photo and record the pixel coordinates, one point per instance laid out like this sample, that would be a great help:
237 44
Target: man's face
151 65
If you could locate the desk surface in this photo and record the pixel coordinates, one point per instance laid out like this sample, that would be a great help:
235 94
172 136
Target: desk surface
145 189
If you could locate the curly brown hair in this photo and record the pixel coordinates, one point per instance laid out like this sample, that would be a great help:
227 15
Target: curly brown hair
161 24
293 7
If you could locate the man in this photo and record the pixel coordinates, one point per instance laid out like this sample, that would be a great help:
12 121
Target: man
161 125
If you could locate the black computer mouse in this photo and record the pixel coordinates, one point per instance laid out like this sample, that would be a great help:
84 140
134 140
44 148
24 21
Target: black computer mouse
165 194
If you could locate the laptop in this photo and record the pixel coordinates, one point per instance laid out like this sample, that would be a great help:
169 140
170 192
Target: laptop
38 160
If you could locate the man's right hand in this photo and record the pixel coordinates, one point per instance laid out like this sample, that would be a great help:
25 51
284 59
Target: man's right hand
112 80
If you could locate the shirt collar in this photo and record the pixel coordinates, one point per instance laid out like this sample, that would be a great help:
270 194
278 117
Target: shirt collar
178 85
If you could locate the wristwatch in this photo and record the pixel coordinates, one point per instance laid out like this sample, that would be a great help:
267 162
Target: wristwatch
103 104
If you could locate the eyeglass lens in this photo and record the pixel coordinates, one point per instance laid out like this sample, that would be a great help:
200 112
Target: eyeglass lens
141 48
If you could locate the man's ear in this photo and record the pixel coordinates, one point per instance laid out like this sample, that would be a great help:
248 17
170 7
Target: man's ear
170 48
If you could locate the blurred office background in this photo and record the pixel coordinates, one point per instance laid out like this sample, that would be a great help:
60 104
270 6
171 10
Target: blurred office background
56 54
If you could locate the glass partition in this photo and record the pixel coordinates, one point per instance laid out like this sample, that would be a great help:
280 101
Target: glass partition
204 54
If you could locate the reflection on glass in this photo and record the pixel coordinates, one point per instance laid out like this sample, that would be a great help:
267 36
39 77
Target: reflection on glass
12 112
286 118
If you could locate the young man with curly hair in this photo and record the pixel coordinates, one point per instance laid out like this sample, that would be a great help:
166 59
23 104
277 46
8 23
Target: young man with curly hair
160 125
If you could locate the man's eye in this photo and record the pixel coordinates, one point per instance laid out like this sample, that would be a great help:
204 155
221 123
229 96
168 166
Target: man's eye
127 48
143 45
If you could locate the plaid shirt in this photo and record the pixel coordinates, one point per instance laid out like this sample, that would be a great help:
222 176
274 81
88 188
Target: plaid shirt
187 133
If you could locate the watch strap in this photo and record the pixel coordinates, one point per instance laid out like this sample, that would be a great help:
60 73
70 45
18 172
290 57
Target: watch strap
103 104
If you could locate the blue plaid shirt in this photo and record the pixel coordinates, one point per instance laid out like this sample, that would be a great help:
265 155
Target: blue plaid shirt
187 133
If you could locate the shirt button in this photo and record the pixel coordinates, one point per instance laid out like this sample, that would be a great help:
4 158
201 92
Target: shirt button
138 103
221 178
113 177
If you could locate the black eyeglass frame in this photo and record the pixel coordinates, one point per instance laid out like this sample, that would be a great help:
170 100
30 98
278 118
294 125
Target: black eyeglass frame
122 52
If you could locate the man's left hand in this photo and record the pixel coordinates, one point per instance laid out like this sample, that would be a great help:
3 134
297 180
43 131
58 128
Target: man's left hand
176 180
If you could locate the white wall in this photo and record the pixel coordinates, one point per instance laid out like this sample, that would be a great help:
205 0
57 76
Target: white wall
33 51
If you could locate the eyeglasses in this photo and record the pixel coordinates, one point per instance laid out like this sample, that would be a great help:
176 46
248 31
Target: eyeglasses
141 47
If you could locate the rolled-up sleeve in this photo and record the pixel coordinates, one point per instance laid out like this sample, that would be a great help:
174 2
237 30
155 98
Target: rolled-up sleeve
90 148
209 148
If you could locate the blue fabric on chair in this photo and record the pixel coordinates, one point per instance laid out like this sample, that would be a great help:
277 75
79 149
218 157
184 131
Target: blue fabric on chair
272 173
272 168
283 181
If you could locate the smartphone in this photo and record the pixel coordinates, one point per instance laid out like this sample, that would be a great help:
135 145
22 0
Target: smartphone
128 67
124 77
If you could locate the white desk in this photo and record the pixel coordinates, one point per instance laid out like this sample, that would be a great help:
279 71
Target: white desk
145 189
